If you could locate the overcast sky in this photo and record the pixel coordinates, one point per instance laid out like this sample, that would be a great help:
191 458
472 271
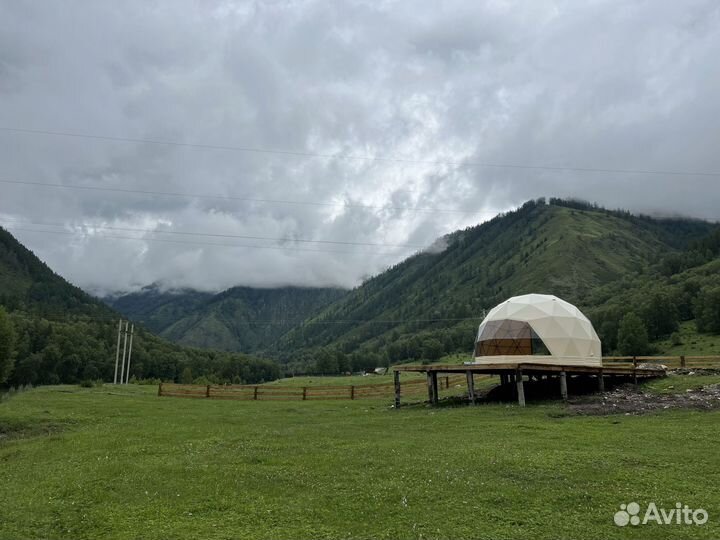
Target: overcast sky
426 86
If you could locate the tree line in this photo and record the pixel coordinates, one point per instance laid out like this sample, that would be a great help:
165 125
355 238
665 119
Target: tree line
36 351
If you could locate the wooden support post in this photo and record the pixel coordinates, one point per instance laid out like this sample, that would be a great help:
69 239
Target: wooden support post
512 381
634 373
502 379
255 393
682 361
520 387
207 391
430 387
304 393
601 381
447 382
436 396
471 386
160 390
396 380
352 390
563 385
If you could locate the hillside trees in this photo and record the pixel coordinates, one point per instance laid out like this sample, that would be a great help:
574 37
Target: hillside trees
632 338
7 342
707 310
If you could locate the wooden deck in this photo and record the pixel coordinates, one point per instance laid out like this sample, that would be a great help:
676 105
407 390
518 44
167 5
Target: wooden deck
514 373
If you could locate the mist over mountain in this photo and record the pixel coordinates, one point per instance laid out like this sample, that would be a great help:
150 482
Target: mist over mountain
609 262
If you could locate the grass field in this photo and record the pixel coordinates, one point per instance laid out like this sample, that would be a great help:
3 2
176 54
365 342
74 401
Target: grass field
692 343
122 463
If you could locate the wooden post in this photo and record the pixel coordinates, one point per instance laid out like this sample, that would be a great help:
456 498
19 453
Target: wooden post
304 393
601 381
160 390
447 382
352 390
255 393
396 380
520 387
563 385
435 388
471 386
682 361
634 375
430 387
207 391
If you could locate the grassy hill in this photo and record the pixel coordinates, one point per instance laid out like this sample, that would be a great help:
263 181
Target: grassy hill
62 334
239 319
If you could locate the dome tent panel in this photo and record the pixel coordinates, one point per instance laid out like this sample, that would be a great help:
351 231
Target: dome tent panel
537 328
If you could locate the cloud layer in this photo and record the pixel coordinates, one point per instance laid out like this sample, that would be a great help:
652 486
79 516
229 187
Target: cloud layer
604 85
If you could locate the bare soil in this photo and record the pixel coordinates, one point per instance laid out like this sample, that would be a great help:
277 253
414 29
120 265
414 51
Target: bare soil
632 400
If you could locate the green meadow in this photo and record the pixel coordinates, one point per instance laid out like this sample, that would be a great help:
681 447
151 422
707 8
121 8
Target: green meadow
121 463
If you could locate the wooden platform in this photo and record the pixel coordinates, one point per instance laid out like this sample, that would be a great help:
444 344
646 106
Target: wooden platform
514 373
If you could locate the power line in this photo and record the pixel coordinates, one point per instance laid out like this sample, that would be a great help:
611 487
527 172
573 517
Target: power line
216 235
242 199
165 240
257 150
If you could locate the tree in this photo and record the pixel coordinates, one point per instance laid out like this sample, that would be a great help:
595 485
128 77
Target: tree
661 315
7 343
325 362
632 336
707 310
186 376
432 349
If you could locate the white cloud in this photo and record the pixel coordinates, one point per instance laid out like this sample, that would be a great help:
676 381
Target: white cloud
605 85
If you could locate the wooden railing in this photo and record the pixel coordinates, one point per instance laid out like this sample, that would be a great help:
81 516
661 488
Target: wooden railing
672 362
271 392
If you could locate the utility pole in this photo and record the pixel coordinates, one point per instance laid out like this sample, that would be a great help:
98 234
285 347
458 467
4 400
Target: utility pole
117 351
132 332
122 366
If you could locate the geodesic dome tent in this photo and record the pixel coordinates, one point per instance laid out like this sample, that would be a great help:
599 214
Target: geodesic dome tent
539 329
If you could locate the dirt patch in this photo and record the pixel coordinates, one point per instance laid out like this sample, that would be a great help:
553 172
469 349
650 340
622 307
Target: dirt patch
631 400
10 430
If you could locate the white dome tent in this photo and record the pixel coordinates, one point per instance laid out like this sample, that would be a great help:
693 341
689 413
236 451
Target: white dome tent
538 329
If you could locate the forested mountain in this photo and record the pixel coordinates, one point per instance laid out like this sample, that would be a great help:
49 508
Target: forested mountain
238 319
431 304
52 332
610 263
636 277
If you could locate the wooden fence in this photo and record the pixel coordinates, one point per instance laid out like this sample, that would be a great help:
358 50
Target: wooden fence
672 362
271 392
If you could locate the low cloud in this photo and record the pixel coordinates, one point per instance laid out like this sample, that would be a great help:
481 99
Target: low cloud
609 85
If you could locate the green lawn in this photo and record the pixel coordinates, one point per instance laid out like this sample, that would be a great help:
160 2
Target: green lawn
122 463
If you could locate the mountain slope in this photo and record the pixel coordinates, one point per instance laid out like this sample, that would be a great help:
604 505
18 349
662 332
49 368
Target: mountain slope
29 284
417 308
239 319
64 335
